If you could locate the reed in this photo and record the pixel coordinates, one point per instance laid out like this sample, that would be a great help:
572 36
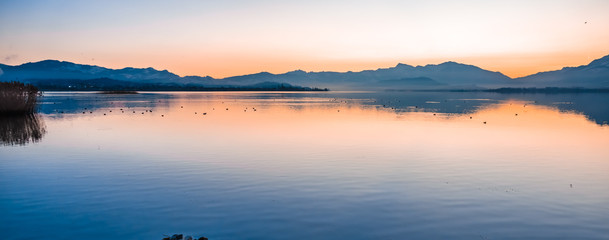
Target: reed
18 98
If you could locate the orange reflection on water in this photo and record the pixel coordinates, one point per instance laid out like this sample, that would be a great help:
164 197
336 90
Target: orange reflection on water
324 123
333 139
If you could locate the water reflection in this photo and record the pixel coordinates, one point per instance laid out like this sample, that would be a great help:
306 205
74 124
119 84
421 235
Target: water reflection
59 105
311 165
21 129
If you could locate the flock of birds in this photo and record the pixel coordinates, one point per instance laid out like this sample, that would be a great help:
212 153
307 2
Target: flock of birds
150 111
254 109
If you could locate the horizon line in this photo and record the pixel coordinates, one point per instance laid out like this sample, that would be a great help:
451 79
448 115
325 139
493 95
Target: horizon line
296 70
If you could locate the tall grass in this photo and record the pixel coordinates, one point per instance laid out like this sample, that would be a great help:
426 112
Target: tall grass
18 98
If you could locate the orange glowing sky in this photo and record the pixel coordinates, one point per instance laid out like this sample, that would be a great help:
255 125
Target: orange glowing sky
235 37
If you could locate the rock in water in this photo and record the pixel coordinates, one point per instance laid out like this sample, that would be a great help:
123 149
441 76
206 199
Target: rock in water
188 238
177 237
203 238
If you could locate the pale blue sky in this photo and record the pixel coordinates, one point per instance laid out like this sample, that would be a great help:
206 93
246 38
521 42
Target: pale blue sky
222 38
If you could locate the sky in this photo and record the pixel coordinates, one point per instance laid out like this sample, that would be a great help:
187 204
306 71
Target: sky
235 37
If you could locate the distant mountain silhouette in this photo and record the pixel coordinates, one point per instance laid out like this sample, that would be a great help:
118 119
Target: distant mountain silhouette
593 75
448 75
445 75
61 75
418 82
52 69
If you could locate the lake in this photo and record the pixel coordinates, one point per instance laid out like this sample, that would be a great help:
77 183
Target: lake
307 165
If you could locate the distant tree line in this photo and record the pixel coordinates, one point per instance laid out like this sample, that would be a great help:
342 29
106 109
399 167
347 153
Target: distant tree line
105 84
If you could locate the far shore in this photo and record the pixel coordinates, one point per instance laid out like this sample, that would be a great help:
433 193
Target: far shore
547 90
118 92
514 90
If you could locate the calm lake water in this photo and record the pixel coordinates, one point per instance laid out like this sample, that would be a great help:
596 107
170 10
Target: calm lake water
321 165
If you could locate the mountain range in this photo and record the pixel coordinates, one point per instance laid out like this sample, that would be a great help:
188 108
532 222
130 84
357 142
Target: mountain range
56 75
